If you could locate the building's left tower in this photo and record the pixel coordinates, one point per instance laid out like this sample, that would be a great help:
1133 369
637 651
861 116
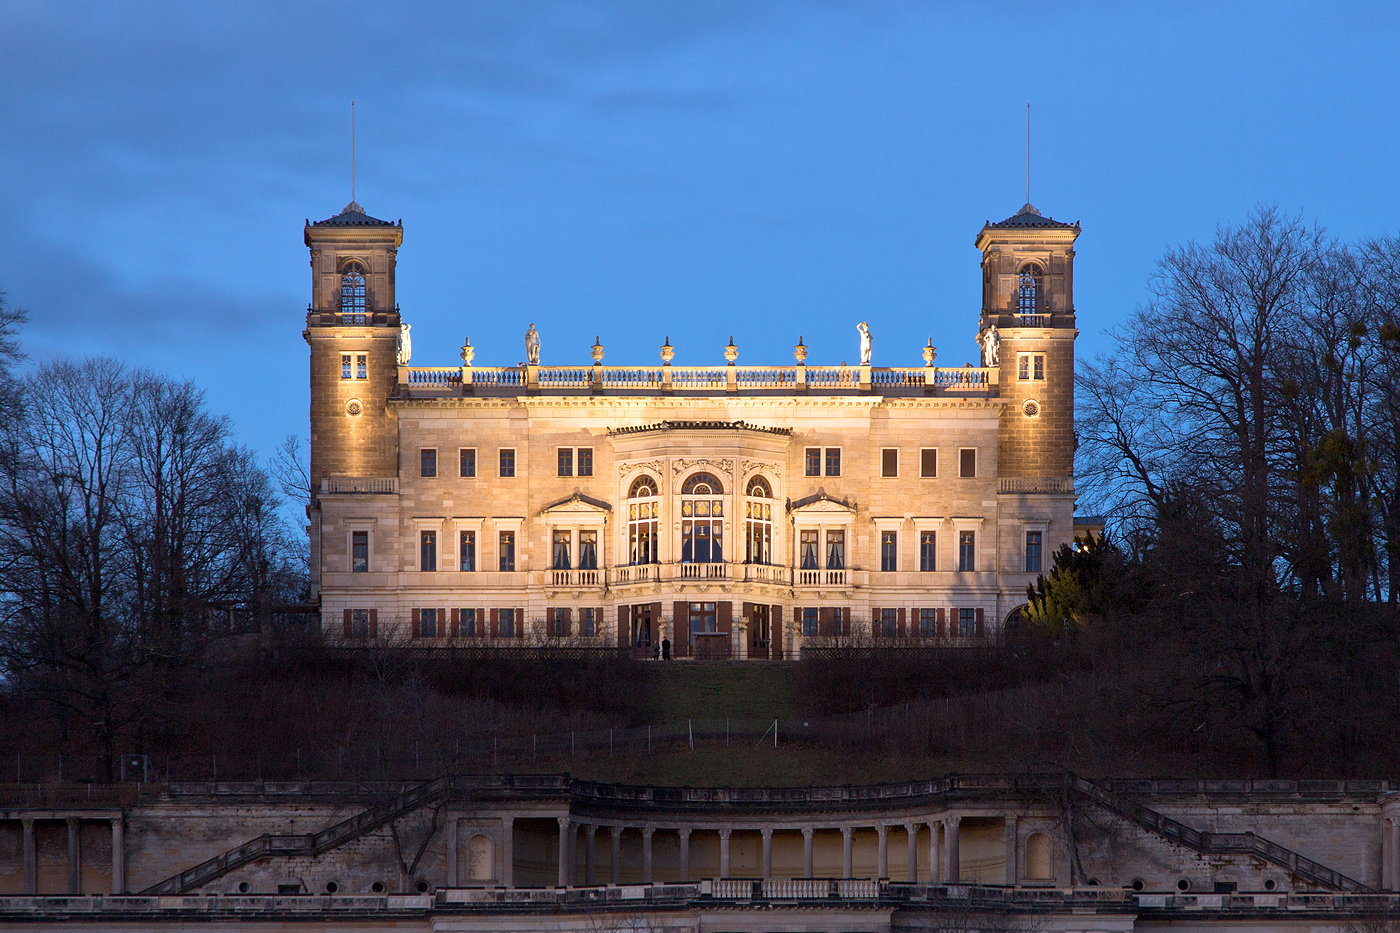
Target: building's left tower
352 327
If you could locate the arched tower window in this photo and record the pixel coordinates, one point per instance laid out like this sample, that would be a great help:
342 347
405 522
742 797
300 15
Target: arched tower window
643 510
702 520
352 294
1030 295
758 522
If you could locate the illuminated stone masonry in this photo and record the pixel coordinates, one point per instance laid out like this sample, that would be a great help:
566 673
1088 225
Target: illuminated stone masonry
702 511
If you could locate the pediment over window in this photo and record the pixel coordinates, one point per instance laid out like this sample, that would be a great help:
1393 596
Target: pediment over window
578 505
821 504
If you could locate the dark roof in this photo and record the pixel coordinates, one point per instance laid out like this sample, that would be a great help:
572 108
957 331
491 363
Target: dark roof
1028 216
353 216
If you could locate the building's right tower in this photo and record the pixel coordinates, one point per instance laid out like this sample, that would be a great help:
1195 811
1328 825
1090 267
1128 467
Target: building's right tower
1028 296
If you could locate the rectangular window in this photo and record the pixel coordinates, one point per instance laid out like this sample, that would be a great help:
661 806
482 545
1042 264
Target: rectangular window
928 551
566 461
507 551
427 550
427 623
967 623
836 550
810 623
507 621
814 461
928 461
361 366
1023 366
889 623
359 551
889 461
557 623
560 551
889 551
807 550
1038 366
1033 552
1030 366
967 551
345 365
359 623
585 461
466 458
466 622
928 623
588 550
467 547
427 462
838 620
588 622
967 461
702 618
507 461
833 461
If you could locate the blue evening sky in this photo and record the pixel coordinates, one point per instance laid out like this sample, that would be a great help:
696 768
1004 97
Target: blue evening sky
641 170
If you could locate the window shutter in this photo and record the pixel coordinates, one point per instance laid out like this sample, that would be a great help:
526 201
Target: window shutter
495 623
775 633
519 623
875 623
680 630
942 623
824 622
373 623
345 621
900 627
979 623
568 623
623 624
456 623
724 617
845 628
413 617
746 613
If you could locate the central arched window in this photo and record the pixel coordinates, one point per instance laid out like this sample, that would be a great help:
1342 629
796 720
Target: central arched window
352 293
702 520
643 508
1028 295
758 522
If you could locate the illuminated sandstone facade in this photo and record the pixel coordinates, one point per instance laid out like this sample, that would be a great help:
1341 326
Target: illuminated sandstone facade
730 511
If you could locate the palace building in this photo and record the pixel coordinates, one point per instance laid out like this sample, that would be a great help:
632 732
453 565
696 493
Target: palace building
727 511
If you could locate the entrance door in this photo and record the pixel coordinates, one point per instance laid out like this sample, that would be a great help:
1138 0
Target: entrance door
642 632
760 632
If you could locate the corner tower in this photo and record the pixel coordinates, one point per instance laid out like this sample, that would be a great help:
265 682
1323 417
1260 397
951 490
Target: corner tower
352 326
1028 296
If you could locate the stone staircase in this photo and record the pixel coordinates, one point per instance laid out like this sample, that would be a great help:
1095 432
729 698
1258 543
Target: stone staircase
303 844
1212 843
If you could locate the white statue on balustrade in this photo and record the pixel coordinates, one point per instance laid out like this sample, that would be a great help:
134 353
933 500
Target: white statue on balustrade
864 343
991 347
404 345
532 345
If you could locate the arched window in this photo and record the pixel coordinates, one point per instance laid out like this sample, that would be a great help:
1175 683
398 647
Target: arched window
758 522
1028 296
352 294
643 510
702 520
481 858
1038 858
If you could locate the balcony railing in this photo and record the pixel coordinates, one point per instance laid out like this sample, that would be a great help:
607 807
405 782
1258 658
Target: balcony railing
359 484
636 573
821 578
1037 484
691 571
767 573
576 577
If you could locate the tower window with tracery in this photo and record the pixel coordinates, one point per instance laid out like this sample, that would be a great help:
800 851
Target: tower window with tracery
1029 301
758 522
352 294
702 520
643 511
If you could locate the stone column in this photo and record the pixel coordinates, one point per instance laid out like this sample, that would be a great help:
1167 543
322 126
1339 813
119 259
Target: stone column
75 879
950 827
767 854
807 851
912 845
508 851
847 862
646 854
1394 856
724 852
452 875
882 865
1012 856
933 851
616 854
565 832
30 863
590 832
684 832
118 856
